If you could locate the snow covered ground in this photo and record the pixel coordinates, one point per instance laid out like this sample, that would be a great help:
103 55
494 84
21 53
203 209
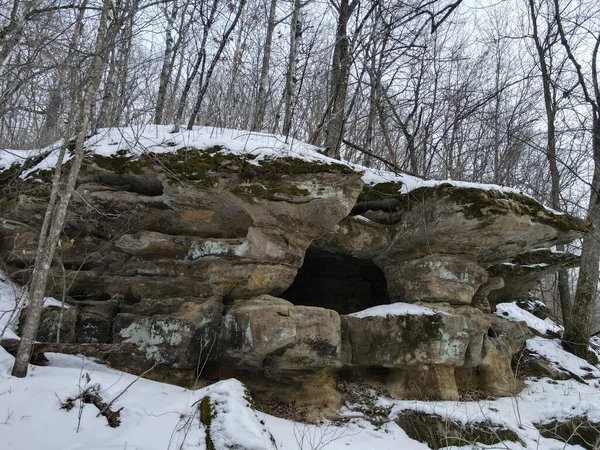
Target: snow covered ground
160 416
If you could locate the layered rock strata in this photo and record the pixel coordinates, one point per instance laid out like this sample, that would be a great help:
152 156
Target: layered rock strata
194 257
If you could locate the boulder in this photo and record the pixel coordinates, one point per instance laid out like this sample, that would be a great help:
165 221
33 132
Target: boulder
182 340
432 355
435 278
399 341
49 324
94 324
272 335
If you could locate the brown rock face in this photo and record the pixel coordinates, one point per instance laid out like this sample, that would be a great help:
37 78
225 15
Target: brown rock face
423 351
185 255
196 222
439 244
435 278
271 334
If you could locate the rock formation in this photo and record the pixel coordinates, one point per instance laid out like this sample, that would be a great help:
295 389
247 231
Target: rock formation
215 264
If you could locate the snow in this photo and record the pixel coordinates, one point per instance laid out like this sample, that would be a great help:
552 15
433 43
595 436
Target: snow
552 350
512 311
396 309
161 139
11 296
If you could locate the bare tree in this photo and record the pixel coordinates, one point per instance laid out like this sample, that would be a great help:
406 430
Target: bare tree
578 329
261 96
62 189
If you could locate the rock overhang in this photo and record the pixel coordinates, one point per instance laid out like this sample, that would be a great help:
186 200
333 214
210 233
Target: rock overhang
228 230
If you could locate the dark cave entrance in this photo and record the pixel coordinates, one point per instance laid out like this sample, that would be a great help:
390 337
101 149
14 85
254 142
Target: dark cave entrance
340 282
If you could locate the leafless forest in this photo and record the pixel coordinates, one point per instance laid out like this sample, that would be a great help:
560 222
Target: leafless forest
500 92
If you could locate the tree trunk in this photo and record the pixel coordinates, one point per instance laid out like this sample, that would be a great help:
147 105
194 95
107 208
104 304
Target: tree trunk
60 196
290 75
551 108
340 71
578 330
167 67
261 97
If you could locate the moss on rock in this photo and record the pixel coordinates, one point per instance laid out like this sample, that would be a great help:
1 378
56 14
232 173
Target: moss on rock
200 168
206 417
482 203
380 191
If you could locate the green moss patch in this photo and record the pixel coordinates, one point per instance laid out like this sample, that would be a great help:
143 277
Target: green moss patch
482 203
206 417
419 330
201 168
380 191
270 191
439 432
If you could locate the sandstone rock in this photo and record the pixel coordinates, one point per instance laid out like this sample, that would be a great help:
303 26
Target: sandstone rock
271 334
423 351
427 383
94 324
182 340
435 278
480 299
155 246
357 236
395 341
49 324
524 272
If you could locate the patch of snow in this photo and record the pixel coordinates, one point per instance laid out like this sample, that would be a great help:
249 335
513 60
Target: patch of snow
535 266
552 350
396 309
51 301
235 424
512 311
11 298
363 219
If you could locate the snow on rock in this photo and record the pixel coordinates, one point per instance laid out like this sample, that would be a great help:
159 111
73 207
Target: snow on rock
552 350
512 311
51 301
396 309
234 423
161 138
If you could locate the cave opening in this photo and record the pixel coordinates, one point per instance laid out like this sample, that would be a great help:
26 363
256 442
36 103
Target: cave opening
336 281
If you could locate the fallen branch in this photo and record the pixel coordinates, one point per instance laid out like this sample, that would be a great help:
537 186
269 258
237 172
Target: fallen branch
91 395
